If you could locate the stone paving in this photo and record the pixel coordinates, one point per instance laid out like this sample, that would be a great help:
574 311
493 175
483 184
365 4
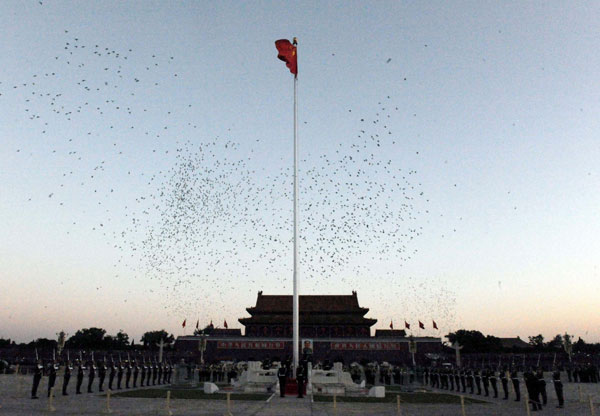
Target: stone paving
15 391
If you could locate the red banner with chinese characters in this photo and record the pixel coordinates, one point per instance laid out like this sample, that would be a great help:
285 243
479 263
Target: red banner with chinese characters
251 345
368 346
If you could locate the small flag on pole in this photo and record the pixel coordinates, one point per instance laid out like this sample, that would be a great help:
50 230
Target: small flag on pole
287 53
406 325
421 325
183 324
434 324
392 325
225 324
198 324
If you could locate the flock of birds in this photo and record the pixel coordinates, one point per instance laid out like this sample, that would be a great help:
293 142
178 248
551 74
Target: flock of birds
211 222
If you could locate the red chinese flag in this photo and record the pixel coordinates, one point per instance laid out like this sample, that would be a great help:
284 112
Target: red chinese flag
434 325
391 324
421 325
406 325
225 324
183 324
287 53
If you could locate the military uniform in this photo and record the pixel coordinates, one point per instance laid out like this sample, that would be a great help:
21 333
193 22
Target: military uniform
514 376
494 383
470 381
52 368
91 376
504 381
541 385
111 375
300 376
80 370
463 380
485 380
143 376
478 381
66 377
37 377
154 373
558 388
136 371
119 375
101 375
127 373
532 390
282 376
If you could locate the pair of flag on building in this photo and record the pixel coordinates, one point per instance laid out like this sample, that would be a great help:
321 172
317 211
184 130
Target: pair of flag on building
421 325
198 324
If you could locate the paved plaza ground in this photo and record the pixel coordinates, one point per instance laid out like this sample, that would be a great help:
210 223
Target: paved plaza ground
15 391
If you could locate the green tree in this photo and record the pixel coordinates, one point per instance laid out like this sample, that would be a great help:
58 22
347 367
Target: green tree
87 338
151 339
537 342
121 340
43 344
556 343
475 341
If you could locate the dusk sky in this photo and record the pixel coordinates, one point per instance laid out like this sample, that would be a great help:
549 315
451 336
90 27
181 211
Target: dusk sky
146 149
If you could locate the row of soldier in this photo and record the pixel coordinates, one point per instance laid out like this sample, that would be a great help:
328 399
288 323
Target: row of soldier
588 373
473 379
151 373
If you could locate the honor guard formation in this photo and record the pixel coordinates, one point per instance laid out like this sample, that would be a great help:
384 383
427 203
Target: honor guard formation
148 374
484 382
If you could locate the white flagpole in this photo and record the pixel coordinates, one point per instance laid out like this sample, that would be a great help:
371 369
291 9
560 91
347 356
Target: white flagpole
296 315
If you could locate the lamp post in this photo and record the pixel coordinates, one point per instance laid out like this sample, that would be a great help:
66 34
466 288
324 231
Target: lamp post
202 346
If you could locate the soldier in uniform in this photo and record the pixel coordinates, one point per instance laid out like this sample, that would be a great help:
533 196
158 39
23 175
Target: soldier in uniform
514 376
169 371
119 374
478 382
532 390
426 375
282 376
143 375
160 372
91 376
136 372
37 377
444 381
66 377
541 386
463 380
451 379
101 374
504 380
457 379
52 367
558 388
300 376
149 373
485 379
470 381
111 375
494 382
80 370
154 372
127 373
